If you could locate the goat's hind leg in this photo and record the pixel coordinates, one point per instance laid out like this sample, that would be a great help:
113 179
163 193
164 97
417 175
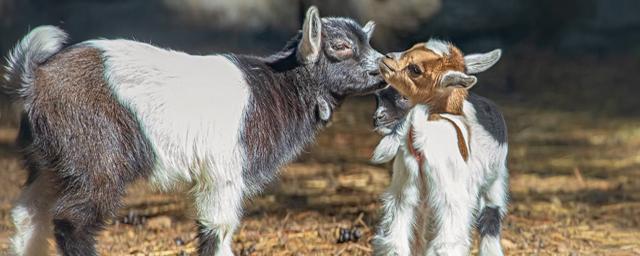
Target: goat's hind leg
32 215
32 212
85 202
491 215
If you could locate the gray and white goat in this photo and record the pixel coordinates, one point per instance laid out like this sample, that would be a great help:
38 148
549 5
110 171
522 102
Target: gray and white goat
101 114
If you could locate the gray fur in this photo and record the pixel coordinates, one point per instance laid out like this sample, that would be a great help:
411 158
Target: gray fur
490 117
291 100
489 222
369 28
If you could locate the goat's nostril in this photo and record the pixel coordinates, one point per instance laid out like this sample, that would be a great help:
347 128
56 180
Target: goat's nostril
374 73
389 55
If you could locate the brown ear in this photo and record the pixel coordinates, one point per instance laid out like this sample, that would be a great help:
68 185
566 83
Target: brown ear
309 47
455 78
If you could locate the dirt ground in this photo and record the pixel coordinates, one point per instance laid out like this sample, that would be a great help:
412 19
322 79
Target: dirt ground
575 189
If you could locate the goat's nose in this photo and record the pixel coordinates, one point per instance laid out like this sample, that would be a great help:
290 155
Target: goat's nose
393 55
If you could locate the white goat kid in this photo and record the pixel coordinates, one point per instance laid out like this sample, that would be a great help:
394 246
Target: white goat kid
456 153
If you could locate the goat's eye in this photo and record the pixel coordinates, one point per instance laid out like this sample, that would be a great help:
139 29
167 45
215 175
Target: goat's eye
339 46
342 49
414 69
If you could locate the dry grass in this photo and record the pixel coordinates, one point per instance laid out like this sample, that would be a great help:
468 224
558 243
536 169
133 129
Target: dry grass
575 184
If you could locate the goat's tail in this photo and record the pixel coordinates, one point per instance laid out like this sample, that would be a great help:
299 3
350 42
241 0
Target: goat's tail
32 50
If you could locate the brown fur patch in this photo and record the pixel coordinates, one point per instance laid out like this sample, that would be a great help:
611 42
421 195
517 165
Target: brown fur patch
424 88
462 143
91 144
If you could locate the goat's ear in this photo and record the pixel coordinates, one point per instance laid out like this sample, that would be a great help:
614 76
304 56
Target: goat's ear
369 28
309 47
480 62
455 78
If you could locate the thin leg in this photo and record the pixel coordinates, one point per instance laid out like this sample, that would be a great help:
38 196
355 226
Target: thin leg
218 209
399 202
453 199
490 219
81 210
32 216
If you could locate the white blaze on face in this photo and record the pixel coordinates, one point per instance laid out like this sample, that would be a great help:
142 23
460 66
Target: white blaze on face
439 47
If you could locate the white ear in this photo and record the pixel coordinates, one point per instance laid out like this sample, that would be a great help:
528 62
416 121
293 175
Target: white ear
455 78
386 149
309 47
480 62
369 28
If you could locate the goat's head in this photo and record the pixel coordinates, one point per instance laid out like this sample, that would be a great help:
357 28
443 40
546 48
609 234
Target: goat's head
435 73
339 50
392 106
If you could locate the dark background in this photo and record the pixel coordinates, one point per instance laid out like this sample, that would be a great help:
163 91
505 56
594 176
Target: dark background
577 55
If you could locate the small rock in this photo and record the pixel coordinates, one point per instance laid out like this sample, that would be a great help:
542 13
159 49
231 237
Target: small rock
356 234
344 236
178 241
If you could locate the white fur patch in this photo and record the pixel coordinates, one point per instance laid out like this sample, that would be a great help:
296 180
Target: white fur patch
190 108
438 47
22 219
490 246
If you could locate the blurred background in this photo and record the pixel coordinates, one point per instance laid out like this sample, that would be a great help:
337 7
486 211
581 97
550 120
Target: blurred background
567 83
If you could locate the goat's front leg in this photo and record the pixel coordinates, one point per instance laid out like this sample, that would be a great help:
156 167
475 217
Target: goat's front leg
453 199
399 202
218 209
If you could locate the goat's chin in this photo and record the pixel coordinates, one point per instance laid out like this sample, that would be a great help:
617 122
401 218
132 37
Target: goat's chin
383 130
386 128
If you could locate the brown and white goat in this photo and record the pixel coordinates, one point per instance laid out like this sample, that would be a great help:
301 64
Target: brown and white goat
446 150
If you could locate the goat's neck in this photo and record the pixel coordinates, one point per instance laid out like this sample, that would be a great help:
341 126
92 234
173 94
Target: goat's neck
282 114
446 103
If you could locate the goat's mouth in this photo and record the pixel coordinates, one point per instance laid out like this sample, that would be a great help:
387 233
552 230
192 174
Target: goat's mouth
385 68
455 86
385 127
378 83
